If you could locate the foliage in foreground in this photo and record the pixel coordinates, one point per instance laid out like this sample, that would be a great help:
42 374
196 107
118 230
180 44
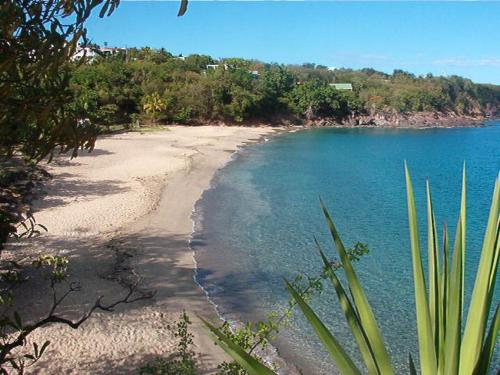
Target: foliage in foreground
443 347
255 337
183 360
38 111
38 40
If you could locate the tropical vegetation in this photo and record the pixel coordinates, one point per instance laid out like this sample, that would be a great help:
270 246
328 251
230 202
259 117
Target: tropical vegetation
38 117
112 89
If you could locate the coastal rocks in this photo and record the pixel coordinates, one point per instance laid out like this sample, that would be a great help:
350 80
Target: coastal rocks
418 119
392 119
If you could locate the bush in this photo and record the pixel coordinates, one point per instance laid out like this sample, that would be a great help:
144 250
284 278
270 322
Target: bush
183 360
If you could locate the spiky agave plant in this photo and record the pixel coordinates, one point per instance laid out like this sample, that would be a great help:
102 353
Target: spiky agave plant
443 348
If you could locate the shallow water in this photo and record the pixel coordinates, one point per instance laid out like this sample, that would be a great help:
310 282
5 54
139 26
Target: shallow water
255 226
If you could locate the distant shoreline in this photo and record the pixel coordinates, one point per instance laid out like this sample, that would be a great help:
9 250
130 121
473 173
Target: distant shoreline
379 120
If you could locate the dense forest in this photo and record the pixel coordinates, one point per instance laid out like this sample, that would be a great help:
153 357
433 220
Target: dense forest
150 85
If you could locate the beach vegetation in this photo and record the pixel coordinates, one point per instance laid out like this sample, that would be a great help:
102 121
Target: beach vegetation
450 342
153 105
182 361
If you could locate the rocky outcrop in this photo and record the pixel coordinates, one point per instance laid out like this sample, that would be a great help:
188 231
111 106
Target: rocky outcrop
414 119
392 119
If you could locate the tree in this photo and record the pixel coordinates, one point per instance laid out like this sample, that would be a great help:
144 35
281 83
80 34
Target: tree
37 41
316 99
198 63
153 105
37 112
239 90
14 330
276 82
37 117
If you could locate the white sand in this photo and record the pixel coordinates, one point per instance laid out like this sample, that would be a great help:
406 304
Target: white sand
134 194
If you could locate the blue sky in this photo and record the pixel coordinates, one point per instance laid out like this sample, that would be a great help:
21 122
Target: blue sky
443 38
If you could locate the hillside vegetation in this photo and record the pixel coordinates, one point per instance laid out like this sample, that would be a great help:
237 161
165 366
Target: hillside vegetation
154 86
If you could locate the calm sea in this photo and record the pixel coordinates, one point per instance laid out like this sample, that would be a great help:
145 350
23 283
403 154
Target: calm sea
256 225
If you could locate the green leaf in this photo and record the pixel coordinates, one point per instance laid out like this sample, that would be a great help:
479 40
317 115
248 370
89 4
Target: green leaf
245 360
365 312
455 295
427 350
489 345
445 280
413 370
351 316
341 358
433 270
44 346
14 364
104 9
482 294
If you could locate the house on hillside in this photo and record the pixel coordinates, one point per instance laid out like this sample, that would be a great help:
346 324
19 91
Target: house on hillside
87 52
215 66
342 86
111 50
90 53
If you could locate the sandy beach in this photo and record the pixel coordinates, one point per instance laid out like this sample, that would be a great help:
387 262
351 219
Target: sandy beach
126 208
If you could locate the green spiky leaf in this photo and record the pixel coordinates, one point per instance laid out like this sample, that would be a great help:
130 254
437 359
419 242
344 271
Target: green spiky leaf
341 358
351 316
427 350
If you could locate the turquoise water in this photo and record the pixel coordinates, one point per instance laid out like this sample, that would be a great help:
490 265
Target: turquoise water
255 226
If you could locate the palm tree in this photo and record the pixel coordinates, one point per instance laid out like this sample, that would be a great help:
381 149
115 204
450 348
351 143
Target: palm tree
153 105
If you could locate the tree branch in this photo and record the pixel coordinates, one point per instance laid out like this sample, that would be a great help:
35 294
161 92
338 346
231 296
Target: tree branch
53 318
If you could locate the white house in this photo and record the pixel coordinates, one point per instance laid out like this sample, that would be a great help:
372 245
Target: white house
86 52
111 50
91 53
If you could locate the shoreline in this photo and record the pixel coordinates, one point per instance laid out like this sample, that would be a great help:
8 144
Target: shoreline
155 234
377 119
146 217
271 354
